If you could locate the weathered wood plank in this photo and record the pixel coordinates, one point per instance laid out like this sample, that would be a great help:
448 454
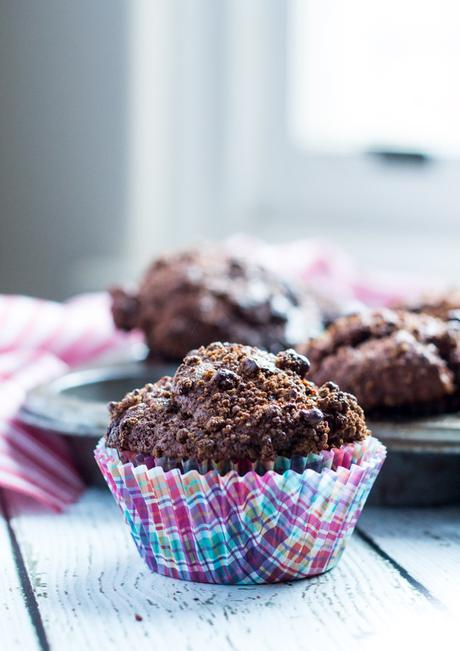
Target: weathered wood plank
16 629
426 542
94 592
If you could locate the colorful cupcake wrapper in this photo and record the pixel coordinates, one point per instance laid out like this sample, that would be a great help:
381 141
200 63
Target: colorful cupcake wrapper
258 527
343 456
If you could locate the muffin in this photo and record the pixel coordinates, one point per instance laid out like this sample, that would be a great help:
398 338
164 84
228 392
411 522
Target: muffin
393 361
192 298
238 469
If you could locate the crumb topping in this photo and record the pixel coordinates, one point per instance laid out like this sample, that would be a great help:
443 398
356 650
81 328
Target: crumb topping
229 402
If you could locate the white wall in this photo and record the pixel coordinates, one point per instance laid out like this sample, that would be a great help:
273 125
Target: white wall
63 139
128 127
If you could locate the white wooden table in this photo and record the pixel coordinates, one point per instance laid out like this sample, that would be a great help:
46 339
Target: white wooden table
75 581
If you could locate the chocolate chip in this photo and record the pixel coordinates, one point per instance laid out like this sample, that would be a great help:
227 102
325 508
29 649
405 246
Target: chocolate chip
311 417
332 386
184 386
272 414
249 366
226 379
181 435
291 360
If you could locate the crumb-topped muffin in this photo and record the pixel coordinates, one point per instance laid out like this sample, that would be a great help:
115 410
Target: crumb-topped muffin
238 469
192 298
390 359
228 401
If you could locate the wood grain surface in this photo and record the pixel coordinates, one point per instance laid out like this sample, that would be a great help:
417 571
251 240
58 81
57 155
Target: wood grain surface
93 592
426 542
16 629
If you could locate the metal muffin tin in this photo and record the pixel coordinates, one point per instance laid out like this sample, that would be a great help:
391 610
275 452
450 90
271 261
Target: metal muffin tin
423 463
422 467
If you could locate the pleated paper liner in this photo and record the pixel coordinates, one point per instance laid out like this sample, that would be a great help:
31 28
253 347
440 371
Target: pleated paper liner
259 526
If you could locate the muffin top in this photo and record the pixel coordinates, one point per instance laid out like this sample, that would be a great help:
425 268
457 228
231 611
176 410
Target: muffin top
234 402
192 298
389 358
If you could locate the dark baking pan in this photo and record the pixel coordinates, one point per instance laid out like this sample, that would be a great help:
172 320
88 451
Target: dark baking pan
422 466
423 463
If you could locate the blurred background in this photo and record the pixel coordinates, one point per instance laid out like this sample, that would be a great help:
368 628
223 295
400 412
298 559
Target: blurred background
127 128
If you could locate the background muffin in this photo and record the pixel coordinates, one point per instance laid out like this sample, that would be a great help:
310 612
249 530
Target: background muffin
195 297
390 359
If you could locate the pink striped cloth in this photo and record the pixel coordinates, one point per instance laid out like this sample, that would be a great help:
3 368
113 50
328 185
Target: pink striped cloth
38 341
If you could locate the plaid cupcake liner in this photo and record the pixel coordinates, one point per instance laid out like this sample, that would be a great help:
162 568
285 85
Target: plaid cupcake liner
246 525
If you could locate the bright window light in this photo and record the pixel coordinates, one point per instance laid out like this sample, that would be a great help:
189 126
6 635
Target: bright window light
375 74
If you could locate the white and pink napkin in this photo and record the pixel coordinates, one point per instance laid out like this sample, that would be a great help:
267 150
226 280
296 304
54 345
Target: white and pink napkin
40 340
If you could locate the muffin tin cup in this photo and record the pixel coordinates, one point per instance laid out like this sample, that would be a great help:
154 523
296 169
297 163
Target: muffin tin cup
267 526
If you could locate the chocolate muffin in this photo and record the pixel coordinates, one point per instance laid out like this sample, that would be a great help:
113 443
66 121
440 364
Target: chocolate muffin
231 402
392 360
192 298
238 470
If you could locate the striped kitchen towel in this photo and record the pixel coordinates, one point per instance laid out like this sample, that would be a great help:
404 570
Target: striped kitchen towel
38 341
